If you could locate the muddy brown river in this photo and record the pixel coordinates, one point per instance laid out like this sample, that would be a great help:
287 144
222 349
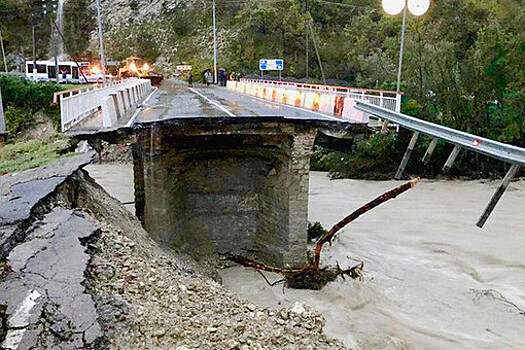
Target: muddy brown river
432 279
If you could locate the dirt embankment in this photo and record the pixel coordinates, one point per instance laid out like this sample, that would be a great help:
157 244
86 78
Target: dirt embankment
130 289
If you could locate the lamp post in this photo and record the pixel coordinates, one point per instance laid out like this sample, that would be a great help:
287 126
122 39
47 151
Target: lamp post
395 7
214 46
416 8
101 40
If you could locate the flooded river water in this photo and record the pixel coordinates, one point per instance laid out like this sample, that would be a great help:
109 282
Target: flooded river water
432 279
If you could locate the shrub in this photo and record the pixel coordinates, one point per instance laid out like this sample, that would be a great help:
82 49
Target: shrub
315 231
17 119
22 99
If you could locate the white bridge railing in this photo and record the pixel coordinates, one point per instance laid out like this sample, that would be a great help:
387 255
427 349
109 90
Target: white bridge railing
335 101
113 100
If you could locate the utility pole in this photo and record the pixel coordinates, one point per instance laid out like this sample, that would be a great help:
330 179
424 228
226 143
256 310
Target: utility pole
306 63
101 38
214 46
34 55
317 51
57 70
3 51
307 40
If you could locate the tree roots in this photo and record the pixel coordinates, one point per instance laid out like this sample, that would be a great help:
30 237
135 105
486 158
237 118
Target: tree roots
312 276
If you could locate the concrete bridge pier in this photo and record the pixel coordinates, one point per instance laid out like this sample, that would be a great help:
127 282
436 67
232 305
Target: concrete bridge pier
219 185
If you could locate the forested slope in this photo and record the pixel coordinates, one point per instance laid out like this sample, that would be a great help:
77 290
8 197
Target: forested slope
464 62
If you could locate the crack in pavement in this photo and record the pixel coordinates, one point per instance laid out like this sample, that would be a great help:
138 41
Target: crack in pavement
54 268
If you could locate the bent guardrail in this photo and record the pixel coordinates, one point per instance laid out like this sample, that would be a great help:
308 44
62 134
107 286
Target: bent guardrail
495 149
502 151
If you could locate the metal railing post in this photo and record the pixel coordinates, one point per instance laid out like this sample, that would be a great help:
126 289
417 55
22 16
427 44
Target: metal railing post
497 195
406 156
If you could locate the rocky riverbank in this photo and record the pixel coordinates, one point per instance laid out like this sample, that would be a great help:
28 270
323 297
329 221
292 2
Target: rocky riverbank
80 272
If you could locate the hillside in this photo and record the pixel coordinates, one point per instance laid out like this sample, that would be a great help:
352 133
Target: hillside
464 61
463 65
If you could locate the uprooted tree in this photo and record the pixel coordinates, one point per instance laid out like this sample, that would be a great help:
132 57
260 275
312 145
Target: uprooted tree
312 276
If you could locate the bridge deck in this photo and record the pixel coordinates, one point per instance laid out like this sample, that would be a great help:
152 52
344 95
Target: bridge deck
174 100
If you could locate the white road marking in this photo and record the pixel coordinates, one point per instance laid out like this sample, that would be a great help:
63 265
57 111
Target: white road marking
213 103
134 117
20 319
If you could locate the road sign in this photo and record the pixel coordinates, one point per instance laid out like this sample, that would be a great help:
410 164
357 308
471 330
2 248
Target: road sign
184 68
273 64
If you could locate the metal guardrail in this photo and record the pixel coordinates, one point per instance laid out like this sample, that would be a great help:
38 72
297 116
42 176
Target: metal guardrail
508 153
499 150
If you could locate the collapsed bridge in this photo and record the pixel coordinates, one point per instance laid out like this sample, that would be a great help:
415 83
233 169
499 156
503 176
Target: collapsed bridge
227 170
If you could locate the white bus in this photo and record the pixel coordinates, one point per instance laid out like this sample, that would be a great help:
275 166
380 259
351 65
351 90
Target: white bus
69 72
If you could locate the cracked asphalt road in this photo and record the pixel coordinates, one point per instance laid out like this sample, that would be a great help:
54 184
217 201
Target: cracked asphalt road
46 304
46 278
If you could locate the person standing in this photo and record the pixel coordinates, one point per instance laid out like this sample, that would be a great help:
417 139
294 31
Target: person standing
190 79
208 77
222 77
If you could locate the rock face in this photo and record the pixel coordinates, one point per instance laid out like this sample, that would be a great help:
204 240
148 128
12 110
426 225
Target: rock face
82 273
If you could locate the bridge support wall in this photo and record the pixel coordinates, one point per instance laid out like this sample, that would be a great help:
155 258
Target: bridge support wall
213 187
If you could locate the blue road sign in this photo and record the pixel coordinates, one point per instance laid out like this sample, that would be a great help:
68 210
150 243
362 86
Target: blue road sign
273 64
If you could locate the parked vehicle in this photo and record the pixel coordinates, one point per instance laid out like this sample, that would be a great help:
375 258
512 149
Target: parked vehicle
69 72
136 67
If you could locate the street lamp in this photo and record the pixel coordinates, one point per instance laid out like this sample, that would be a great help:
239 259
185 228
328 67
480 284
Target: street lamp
394 7
416 8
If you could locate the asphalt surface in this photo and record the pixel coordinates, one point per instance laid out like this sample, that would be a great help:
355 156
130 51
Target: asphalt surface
44 248
175 100
20 192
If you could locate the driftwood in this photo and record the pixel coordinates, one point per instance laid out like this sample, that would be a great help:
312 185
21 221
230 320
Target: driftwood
368 206
312 276
308 277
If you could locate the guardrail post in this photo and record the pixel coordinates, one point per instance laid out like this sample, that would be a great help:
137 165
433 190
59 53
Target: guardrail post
109 117
123 98
118 109
497 195
430 150
122 101
130 97
406 157
135 93
141 90
398 102
2 116
451 158
62 113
